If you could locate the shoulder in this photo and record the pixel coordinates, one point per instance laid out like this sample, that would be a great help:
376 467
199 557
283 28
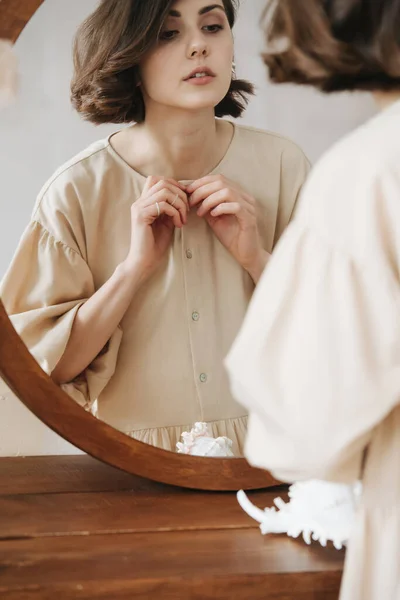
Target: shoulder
351 196
268 142
365 156
79 168
68 200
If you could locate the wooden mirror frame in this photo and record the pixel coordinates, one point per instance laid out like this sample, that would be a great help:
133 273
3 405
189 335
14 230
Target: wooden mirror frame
58 411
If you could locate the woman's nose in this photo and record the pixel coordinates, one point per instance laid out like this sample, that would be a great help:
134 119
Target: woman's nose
198 48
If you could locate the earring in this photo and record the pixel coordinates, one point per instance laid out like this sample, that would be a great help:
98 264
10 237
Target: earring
233 70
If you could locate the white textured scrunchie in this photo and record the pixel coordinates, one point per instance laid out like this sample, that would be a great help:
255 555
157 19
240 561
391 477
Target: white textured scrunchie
199 442
317 510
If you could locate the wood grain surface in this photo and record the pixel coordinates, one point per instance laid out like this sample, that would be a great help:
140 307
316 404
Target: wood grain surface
70 529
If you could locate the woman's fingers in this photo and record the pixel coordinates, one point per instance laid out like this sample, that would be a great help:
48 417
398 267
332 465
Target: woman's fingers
222 181
213 195
223 197
172 198
167 184
229 193
204 192
159 182
247 219
166 189
153 211
176 202
227 208
195 185
149 183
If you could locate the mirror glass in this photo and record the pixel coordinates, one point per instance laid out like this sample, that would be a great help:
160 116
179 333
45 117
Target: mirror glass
68 187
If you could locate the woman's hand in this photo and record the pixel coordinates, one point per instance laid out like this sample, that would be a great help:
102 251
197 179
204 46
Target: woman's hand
231 214
162 206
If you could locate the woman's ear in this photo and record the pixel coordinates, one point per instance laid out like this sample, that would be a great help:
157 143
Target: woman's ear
233 69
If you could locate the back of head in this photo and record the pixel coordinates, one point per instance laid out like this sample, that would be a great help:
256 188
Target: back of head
334 45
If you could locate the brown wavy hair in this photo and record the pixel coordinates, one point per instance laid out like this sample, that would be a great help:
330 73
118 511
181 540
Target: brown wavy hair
334 45
108 49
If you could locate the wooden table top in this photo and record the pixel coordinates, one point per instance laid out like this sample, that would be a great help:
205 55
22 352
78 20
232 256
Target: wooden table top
74 528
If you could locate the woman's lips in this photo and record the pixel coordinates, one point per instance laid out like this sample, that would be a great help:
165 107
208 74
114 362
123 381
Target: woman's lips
200 72
203 80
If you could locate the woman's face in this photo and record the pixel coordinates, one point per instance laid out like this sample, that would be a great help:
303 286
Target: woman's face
196 36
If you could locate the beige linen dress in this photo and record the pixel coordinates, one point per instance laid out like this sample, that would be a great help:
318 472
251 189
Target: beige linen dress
162 369
317 361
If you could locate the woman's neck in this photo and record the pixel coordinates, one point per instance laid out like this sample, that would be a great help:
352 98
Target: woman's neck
178 144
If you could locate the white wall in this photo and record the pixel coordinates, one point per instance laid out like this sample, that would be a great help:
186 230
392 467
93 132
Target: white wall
40 131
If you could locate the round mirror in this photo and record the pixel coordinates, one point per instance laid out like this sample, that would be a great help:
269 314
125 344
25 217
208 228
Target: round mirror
157 393
41 132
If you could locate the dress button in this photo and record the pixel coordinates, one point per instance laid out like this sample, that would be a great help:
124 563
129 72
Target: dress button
195 316
203 378
189 254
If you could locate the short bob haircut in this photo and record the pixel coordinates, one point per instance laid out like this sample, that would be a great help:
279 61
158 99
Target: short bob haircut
334 45
108 49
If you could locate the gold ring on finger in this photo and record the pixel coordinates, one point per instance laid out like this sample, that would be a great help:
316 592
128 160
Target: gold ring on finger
158 209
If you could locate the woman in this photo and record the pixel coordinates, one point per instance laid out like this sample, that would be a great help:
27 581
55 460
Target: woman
143 251
317 362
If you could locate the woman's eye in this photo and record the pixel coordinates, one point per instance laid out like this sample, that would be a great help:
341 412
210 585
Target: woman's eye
213 28
168 35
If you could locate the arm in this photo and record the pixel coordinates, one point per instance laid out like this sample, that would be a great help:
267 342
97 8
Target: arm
161 208
317 366
257 269
96 321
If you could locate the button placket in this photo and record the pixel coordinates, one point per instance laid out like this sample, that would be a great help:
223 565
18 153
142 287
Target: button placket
193 273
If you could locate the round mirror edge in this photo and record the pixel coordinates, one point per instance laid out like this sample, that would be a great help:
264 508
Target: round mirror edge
34 388
14 15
